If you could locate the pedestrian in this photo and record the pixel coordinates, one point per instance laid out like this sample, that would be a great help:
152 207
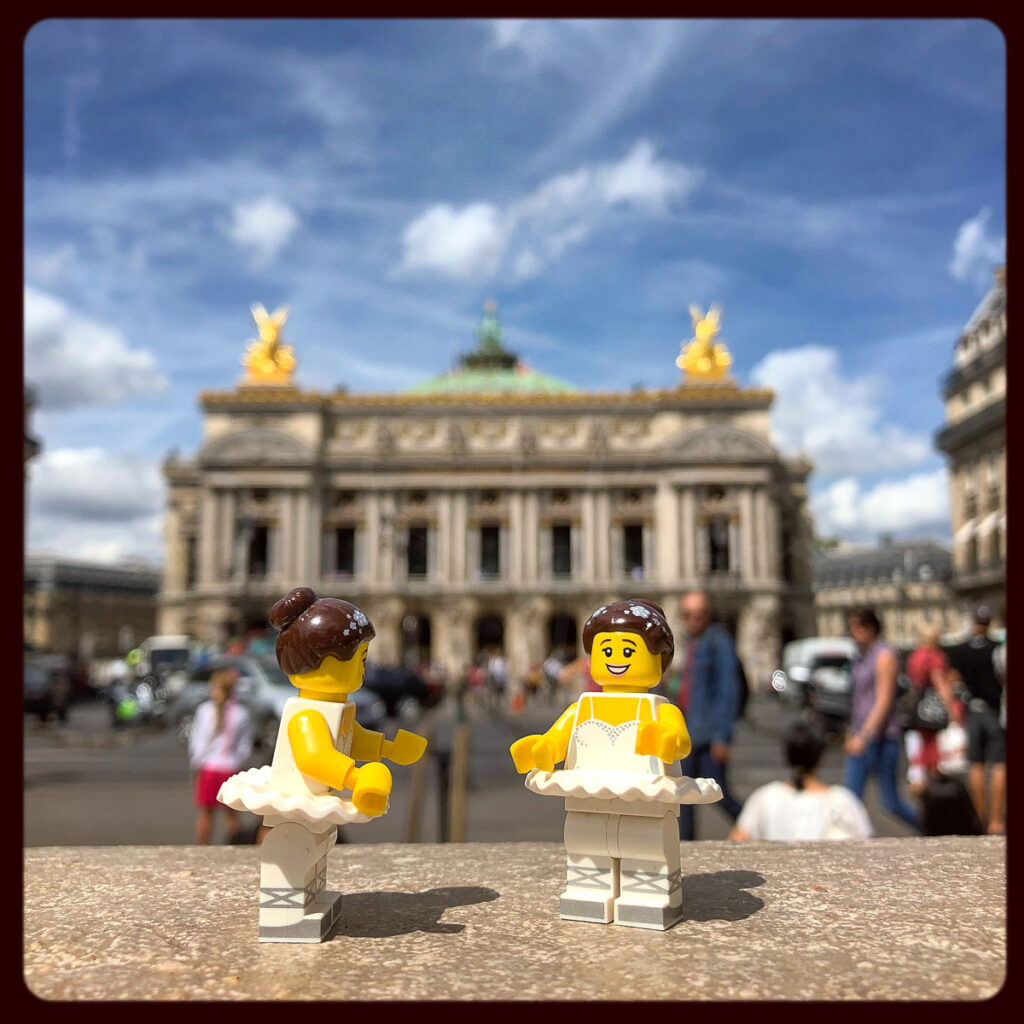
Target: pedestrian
976 663
708 696
219 746
803 807
873 738
928 668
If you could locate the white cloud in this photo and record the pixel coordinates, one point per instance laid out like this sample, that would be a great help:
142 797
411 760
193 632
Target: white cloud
832 418
975 250
91 484
73 360
509 31
262 227
915 505
532 233
466 243
89 503
47 267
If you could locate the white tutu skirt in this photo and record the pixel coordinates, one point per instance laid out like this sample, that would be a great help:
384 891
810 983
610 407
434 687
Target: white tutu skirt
253 791
624 785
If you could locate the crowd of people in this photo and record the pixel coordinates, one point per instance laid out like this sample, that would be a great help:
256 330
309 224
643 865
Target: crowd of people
951 722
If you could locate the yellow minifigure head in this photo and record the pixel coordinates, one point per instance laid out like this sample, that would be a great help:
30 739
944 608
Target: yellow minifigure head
323 643
630 645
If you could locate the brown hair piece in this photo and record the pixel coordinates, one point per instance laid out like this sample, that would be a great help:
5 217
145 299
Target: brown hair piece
634 616
313 628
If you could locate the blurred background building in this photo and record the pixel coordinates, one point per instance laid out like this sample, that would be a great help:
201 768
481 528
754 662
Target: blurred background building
88 610
974 440
490 508
907 583
32 445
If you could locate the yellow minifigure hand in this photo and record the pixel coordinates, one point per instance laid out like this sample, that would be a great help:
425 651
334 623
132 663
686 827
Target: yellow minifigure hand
655 739
532 752
405 748
370 788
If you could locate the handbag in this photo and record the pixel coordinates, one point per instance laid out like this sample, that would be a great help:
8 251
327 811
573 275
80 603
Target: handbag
922 708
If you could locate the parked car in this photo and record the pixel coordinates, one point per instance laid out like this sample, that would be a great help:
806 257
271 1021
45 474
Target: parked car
264 689
830 689
49 685
405 693
800 659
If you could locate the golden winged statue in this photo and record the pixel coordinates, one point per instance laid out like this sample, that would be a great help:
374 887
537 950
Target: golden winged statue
702 357
266 359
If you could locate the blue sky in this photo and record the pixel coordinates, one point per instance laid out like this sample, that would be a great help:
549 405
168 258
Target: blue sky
838 187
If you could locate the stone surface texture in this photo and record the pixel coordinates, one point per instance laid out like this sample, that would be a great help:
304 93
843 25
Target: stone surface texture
876 919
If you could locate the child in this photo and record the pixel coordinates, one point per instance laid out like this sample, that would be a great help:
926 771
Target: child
220 745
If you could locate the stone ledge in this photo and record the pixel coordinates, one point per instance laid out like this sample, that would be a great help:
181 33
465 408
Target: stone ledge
875 919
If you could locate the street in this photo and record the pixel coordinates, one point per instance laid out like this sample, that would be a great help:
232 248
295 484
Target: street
89 785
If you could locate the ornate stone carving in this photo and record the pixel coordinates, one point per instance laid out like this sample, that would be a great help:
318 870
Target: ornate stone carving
456 439
630 429
597 437
527 440
257 446
722 444
416 432
385 438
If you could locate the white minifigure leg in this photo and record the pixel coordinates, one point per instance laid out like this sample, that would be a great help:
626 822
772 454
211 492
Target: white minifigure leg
295 905
592 877
651 885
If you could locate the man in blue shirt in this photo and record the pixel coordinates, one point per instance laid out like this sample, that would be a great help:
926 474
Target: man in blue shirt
709 698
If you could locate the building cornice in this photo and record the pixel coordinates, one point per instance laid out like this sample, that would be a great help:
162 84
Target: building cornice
693 397
986 420
963 376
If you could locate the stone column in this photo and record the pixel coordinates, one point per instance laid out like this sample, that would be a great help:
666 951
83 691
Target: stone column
445 539
772 555
516 538
589 539
311 533
688 532
531 536
748 571
666 518
460 511
174 570
603 536
208 537
225 532
389 534
373 538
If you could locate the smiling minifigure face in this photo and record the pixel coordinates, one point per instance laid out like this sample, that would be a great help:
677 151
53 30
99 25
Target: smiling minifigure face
334 678
621 661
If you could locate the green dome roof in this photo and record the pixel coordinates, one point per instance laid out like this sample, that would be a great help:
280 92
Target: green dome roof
490 368
520 379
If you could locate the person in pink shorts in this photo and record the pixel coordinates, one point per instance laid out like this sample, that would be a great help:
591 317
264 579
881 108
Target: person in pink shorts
218 748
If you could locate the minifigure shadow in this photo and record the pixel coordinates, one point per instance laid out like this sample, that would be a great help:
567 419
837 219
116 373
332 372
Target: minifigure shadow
378 914
721 896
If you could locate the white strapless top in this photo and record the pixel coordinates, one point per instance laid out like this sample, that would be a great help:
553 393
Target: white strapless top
602 761
281 790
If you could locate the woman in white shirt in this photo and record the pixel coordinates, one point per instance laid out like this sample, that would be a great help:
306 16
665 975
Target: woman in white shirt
219 746
804 807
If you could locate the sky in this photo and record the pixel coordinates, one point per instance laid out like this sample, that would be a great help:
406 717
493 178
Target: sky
837 187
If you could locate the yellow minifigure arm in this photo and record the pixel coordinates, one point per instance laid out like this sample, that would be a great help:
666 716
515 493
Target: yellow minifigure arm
316 756
366 744
667 738
405 748
544 752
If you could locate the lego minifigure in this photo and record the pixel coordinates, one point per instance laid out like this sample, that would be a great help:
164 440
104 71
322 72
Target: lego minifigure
621 781
322 648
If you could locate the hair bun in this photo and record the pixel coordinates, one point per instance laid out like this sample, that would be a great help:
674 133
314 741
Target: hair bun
291 606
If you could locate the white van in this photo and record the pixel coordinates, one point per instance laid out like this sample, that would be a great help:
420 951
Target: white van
802 658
